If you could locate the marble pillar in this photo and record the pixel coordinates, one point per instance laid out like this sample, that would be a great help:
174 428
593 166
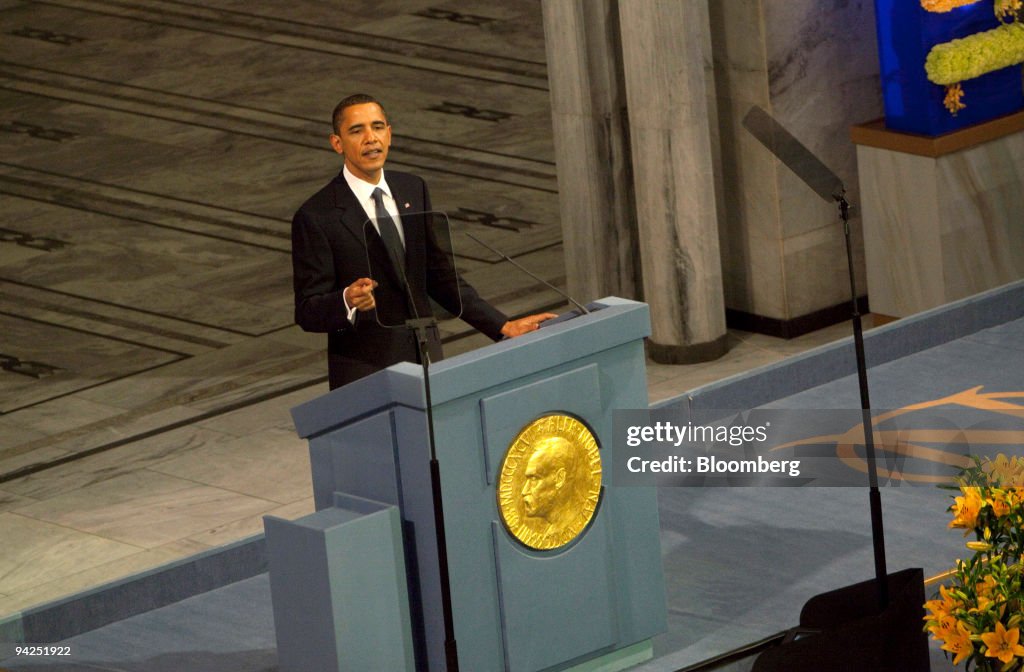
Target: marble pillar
940 225
812 64
588 112
666 52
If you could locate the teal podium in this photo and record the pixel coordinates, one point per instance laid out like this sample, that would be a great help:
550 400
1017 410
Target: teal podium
593 603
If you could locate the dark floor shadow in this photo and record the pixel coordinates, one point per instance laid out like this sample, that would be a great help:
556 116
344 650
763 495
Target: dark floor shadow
728 582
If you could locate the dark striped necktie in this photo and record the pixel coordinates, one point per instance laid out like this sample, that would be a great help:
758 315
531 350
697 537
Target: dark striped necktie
389 233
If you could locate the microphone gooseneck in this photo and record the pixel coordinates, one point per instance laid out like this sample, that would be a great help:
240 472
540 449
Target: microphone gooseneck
532 275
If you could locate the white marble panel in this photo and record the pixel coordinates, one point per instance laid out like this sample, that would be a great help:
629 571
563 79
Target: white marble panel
271 464
941 229
738 40
300 373
981 202
751 268
115 462
901 234
94 434
10 500
822 280
509 33
813 66
751 252
11 254
81 360
175 508
204 375
13 434
817 274
60 415
245 527
823 78
53 587
30 454
272 413
38 551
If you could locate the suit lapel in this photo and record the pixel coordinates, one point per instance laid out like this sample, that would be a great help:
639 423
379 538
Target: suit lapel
353 217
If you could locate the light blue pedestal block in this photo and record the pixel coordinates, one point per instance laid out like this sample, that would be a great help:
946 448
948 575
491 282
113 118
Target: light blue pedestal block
338 587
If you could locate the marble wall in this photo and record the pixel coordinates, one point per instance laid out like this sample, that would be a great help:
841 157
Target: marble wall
940 229
812 64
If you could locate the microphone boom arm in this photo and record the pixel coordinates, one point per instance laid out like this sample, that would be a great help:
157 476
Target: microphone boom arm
532 275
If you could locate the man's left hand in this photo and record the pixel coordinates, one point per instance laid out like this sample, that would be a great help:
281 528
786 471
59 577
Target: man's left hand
525 325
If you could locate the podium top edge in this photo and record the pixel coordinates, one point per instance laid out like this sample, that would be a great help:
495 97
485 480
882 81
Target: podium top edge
615 322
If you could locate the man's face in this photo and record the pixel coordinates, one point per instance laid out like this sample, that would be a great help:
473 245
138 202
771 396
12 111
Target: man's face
363 138
540 489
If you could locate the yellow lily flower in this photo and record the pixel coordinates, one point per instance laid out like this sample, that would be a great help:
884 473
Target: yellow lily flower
1005 471
949 598
966 508
945 627
1000 502
985 587
959 643
937 608
1003 643
983 605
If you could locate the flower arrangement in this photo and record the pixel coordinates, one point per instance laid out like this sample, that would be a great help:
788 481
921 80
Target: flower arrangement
950 63
1008 10
978 617
943 6
974 55
1004 8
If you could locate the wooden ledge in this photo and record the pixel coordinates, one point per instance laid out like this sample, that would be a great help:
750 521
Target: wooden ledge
875 134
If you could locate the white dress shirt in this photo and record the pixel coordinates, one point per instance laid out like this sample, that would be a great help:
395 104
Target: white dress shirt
364 194
363 191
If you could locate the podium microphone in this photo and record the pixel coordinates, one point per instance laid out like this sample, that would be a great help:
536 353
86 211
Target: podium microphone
524 270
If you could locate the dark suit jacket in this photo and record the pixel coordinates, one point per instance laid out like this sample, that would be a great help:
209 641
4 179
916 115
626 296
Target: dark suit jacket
333 246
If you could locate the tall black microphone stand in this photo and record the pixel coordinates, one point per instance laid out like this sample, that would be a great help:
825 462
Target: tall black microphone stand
420 326
874 496
816 175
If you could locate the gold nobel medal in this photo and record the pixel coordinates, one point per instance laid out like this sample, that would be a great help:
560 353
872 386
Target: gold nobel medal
550 482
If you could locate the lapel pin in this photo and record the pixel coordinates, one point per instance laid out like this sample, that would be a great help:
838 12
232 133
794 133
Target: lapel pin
406 205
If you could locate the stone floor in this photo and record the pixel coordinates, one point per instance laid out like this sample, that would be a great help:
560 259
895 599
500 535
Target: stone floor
152 156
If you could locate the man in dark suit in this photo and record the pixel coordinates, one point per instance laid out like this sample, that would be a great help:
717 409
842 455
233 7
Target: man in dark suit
364 256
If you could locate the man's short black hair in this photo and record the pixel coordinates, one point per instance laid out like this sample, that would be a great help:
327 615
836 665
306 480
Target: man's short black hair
354 99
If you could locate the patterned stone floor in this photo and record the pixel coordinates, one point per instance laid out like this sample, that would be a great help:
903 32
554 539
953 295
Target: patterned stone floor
151 156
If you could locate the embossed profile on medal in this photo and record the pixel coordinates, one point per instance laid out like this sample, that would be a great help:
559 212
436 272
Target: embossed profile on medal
550 482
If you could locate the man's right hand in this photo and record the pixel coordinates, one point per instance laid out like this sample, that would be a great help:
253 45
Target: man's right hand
359 294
